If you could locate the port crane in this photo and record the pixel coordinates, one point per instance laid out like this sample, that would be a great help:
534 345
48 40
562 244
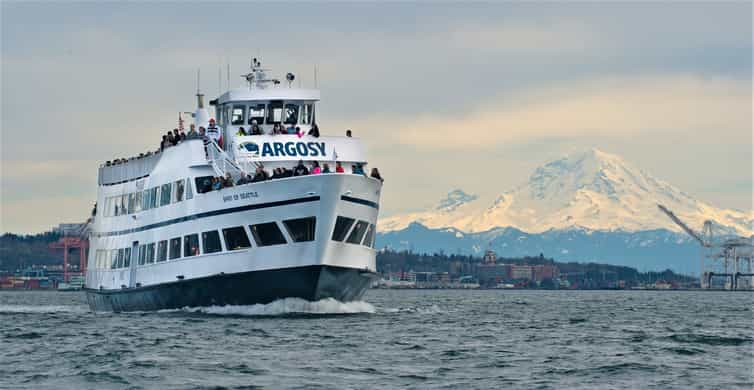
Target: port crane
736 250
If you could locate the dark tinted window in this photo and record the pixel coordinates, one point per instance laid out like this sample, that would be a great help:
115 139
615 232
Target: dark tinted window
358 233
301 229
203 184
342 224
237 116
236 238
211 241
369 238
175 248
165 195
142 254
150 254
291 113
275 112
162 250
117 258
127 258
267 234
256 113
191 245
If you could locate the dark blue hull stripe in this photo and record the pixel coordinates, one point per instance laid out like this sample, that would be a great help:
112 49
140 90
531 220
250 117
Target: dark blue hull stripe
360 201
208 214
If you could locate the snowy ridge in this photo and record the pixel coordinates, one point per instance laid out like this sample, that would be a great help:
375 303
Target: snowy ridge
592 190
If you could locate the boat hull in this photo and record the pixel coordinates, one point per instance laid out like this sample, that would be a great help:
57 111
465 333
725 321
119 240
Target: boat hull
311 283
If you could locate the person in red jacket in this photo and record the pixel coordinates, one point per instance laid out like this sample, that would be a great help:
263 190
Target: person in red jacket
339 168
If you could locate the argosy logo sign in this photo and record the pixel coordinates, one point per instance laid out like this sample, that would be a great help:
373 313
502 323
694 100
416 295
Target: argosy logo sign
285 149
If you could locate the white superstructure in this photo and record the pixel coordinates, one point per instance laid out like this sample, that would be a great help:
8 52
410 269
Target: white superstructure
162 239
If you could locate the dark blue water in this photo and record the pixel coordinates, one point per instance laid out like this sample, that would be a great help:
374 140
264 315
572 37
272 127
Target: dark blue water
415 339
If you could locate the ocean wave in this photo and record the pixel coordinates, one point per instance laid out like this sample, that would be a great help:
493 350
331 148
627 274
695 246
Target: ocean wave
288 306
34 309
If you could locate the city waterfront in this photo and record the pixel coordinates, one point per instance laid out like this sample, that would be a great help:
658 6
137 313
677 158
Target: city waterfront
408 338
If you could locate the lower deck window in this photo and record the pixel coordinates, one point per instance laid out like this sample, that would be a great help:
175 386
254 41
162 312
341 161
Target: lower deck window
127 258
114 258
266 234
142 254
369 238
203 184
342 225
211 241
150 254
175 248
162 250
236 238
301 229
358 233
191 245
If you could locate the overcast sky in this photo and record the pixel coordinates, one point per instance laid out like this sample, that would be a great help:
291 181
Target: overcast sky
470 96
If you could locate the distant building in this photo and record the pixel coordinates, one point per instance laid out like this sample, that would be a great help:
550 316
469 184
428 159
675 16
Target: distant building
521 272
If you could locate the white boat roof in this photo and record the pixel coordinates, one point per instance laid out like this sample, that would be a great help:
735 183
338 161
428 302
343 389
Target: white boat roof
265 94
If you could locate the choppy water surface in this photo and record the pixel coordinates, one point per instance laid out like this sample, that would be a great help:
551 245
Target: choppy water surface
419 339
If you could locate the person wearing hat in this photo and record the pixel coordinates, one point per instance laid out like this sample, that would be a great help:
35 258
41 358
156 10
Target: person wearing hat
213 132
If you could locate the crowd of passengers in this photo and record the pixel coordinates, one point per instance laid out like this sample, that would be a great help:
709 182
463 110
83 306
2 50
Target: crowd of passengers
300 169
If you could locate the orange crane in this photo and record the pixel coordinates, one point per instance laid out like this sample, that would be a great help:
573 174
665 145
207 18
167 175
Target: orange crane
66 243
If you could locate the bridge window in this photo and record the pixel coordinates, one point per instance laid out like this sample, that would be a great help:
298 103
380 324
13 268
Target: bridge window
358 233
175 248
236 117
211 241
191 245
150 253
301 229
291 114
342 225
162 250
127 258
165 195
266 234
179 187
256 113
236 238
306 114
124 205
203 184
369 237
189 193
275 112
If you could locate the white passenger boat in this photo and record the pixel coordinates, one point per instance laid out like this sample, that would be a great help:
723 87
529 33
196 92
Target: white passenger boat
162 239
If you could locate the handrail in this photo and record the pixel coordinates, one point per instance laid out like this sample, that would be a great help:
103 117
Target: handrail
222 163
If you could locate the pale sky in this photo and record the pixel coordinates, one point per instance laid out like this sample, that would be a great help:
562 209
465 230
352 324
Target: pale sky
470 96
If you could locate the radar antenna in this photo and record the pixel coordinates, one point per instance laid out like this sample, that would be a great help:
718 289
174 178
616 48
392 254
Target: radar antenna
257 77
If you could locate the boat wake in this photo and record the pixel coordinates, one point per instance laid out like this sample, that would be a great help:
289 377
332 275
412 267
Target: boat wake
288 306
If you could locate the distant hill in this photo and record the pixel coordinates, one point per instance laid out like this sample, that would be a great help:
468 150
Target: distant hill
19 252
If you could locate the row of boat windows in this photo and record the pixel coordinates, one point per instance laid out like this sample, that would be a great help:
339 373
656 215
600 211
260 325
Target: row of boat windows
154 197
270 113
235 238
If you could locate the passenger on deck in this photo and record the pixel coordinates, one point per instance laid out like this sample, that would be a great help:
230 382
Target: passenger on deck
299 133
217 184
255 130
316 169
260 175
183 136
348 133
277 129
357 169
245 179
170 138
291 129
339 168
192 131
165 143
314 131
376 174
326 168
213 132
241 131
300 169
176 137
228 181
285 172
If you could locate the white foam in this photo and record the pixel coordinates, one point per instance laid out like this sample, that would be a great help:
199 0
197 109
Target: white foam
288 306
43 309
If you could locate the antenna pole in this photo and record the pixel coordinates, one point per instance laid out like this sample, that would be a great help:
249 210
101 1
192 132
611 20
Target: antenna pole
198 80
315 77
229 76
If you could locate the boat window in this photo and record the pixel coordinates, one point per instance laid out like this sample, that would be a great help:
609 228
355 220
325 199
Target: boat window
179 187
142 254
369 237
301 229
165 195
256 113
138 202
342 225
266 234
274 112
236 238
189 193
175 248
150 253
211 242
124 205
306 114
114 258
237 116
358 233
127 258
203 184
291 114
145 199
191 245
162 250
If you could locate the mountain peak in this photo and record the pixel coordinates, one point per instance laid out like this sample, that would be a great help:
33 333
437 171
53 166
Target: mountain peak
455 199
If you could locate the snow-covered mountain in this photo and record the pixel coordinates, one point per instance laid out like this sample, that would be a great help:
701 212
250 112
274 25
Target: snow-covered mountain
592 190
